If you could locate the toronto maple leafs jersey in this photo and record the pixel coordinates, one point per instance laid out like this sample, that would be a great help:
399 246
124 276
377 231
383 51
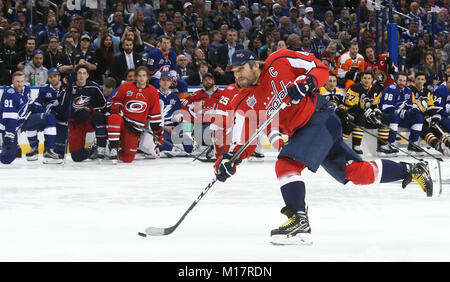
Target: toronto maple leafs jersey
159 63
14 107
172 107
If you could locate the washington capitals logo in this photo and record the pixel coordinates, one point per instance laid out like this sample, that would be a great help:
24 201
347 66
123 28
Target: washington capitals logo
240 55
251 101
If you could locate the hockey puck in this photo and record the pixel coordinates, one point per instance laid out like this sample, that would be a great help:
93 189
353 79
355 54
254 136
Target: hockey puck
142 234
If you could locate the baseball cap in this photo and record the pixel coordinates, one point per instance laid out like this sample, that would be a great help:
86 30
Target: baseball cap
293 8
241 57
53 71
187 4
166 74
38 51
226 3
264 8
309 10
276 5
85 36
208 74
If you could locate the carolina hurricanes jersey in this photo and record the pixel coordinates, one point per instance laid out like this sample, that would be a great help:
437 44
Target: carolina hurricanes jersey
259 101
380 69
201 105
138 104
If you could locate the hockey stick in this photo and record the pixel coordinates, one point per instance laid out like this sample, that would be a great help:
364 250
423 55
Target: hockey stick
418 147
155 231
179 149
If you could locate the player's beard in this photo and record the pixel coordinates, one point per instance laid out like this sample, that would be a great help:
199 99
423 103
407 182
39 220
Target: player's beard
247 81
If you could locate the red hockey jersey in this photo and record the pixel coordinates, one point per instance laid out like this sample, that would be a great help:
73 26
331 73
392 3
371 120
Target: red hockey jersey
281 69
380 69
201 106
138 104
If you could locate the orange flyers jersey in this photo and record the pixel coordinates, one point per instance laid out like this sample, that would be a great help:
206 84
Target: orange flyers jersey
345 62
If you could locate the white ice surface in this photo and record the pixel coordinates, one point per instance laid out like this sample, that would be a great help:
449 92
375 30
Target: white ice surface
91 212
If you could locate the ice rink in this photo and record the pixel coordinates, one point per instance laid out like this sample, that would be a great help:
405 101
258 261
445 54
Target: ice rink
91 212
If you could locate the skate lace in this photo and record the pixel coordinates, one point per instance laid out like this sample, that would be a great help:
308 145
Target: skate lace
420 180
289 222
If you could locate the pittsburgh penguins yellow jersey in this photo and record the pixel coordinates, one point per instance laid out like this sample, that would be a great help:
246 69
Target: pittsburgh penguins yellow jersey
359 97
423 98
336 96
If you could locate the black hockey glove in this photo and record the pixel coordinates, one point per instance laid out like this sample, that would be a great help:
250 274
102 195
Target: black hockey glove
224 168
302 85
81 116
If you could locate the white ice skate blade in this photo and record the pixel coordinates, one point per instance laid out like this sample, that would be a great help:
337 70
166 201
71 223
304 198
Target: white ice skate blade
255 160
52 161
304 239
32 159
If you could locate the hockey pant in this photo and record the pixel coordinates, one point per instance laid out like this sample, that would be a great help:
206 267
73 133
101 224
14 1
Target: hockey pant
357 132
121 133
9 149
78 131
411 120
178 136
319 143
41 122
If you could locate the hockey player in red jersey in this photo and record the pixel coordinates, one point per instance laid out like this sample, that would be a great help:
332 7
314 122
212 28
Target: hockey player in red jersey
315 134
381 66
130 107
199 109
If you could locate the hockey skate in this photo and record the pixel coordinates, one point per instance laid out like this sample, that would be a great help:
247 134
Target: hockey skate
295 231
419 173
358 150
113 151
256 157
32 155
50 157
415 150
386 151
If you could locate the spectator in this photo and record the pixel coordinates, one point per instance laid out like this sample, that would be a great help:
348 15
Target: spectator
158 28
196 77
309 16
293 42
180 25
402 61
86 57
182 71
105 55
75 32
243 39
343 23
431 72
331 54
130 8
228 16
130 75
22 58
285 26
441 23
330 28
263 14
103 30
415 15
197 56
306 44
189 16
216 37
319 43
281 45
293 15
50 30
189 46
128 59
223 32
210 53
66 60
7 52
35 73
119 25
224 54
147 10
299 27
196 29
245 21
52 53
134 35
276 14
138 22
410 36
176 44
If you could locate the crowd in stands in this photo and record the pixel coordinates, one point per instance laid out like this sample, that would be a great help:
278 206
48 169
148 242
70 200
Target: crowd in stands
193 40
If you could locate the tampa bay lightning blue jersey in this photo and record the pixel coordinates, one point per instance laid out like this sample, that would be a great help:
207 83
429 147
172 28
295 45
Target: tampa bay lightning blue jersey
50 95
14 108
172 107
394 99
159 63
441 98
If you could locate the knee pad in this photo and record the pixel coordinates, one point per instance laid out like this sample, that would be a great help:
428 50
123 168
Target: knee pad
361 173
287 167
50 120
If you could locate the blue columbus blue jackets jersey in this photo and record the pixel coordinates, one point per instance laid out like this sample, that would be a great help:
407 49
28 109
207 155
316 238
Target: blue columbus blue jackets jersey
394 99
172 107
442 99
14 108
159 63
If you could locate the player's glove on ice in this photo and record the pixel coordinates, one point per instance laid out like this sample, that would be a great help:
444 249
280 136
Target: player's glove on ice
224 168
158 138
302 86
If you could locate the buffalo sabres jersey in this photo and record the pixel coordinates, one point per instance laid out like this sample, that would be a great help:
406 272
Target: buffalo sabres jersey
14 107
